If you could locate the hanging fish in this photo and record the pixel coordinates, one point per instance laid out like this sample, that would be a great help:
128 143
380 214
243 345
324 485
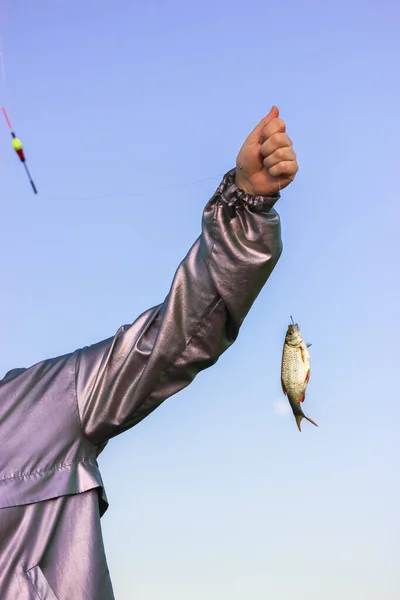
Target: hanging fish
17 145
295 371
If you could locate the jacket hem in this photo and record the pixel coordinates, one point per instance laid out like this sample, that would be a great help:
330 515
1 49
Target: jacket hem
63 480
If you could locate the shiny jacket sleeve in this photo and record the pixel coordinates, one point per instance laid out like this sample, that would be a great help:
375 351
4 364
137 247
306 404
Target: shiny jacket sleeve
121 380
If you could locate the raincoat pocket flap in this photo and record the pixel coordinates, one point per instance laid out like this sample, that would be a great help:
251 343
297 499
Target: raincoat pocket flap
40 583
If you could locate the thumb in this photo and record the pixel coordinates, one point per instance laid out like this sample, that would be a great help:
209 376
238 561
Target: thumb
255 134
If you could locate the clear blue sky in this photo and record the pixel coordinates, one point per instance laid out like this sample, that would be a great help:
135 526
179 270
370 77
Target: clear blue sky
224 498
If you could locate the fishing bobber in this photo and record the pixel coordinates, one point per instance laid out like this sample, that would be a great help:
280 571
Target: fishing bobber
17 145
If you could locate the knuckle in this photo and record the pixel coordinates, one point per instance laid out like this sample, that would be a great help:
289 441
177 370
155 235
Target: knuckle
280 125
281 153
276 126
286 168
292 167
280 140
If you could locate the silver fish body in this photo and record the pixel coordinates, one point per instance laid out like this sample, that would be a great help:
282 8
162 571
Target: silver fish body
295 371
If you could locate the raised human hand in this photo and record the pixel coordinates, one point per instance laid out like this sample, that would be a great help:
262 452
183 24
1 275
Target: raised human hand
266 162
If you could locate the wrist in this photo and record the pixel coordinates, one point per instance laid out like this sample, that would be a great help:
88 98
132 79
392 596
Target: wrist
237 194
243 187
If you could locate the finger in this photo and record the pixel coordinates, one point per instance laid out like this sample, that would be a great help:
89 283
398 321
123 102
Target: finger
280 155
277 140
255 134
286 168
272 127
273 114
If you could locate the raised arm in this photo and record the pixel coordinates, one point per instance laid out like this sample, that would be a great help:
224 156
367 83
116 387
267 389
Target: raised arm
121 380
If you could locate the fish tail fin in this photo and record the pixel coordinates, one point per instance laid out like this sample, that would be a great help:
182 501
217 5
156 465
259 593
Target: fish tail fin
299 419
311 421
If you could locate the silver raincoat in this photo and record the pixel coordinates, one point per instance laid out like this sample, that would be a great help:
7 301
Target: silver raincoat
57 416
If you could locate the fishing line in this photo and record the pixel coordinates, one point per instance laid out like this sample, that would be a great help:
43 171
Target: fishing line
95 196
4 94
132 194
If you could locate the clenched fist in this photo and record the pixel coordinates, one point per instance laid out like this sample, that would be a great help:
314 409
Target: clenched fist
266 162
